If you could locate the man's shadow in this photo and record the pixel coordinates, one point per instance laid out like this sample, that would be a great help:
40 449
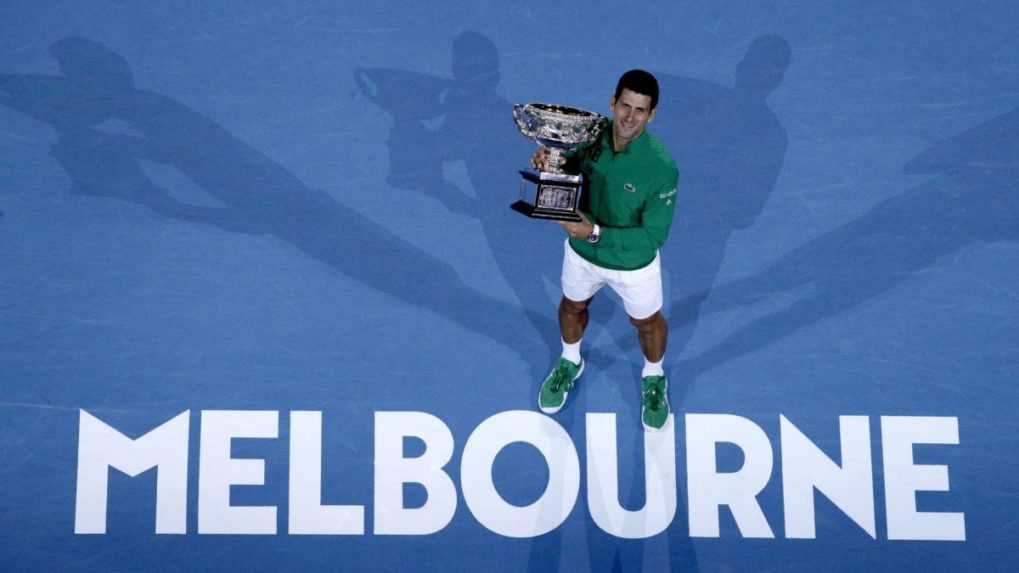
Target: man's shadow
972 198
106 126
729 147
463 118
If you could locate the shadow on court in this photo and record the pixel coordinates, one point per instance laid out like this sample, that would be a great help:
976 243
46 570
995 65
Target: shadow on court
970 199
107 126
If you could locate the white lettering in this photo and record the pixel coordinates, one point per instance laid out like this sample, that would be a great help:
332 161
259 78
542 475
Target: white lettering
806 471
484 501
707 489
101 447
307 515
217 471
392 470
603 482
903 478
805 467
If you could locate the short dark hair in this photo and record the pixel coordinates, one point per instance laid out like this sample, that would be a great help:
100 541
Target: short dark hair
641 82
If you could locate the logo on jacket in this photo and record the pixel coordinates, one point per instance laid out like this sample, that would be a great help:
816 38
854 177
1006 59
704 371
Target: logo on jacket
629 188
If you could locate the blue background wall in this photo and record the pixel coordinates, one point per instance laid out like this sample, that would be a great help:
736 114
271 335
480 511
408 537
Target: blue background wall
304 206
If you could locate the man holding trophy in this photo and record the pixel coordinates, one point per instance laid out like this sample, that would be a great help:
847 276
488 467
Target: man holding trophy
615 229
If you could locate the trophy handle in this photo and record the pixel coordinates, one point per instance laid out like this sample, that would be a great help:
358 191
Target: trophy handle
518 118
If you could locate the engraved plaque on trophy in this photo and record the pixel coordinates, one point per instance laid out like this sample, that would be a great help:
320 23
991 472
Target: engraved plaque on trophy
559 128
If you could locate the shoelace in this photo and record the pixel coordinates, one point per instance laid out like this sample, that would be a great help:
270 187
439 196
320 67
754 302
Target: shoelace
653 397
561 378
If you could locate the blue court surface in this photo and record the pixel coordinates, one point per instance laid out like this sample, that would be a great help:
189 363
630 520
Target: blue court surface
264 305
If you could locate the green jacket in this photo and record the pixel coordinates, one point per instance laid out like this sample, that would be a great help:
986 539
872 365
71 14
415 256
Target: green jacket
631 195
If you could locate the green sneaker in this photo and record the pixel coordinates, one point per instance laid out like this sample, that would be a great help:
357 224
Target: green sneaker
654 410
557 386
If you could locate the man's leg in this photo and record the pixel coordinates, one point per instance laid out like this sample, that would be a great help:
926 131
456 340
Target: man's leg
573 320
653 333
580 281
641 291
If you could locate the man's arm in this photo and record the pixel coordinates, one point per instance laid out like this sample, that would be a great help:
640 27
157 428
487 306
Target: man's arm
656 220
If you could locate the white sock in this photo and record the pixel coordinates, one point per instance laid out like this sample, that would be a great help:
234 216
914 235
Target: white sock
571 352
652 368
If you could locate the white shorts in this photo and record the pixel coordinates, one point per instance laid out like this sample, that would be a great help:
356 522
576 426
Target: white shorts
641 289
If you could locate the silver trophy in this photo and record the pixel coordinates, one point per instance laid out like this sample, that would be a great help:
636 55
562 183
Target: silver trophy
560 129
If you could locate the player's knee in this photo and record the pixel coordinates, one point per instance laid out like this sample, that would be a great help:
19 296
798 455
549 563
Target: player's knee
656 320
574 307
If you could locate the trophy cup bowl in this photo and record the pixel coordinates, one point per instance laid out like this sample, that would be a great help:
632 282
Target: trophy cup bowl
559 128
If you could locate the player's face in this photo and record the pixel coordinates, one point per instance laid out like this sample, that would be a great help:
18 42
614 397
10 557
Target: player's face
631 111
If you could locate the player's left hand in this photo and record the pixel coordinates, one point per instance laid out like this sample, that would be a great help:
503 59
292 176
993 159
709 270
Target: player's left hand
578 230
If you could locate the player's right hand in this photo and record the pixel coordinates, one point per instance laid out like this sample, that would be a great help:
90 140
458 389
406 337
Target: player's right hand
541 159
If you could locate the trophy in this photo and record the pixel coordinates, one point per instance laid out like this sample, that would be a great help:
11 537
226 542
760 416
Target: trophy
560 129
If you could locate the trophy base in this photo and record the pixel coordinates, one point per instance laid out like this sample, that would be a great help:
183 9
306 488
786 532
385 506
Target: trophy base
539 213
557 196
